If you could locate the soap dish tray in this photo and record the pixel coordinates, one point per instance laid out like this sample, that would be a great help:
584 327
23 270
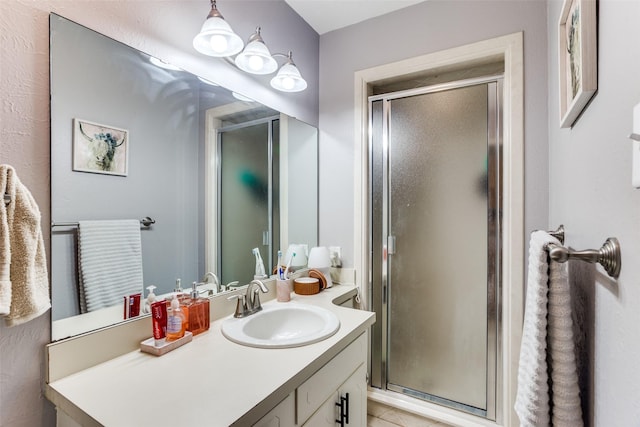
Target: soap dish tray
148 345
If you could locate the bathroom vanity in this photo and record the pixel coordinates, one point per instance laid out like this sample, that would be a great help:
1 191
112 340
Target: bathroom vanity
213 381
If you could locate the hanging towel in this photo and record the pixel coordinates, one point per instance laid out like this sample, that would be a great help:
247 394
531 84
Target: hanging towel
548 392
24 281
110 262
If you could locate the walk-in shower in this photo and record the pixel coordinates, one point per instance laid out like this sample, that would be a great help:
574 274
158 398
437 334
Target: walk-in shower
435 187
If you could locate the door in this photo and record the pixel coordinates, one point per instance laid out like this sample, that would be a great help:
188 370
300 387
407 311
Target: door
435 192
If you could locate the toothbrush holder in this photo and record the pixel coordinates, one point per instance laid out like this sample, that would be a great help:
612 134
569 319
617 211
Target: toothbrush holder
283 290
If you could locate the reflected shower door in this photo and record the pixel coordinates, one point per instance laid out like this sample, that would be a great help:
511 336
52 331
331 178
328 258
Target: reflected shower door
244 200
435 191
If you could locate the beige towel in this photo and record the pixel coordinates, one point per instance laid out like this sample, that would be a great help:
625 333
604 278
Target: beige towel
24 294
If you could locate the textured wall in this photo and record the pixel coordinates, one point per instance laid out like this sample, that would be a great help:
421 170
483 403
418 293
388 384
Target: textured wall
160 28
591 194
417 30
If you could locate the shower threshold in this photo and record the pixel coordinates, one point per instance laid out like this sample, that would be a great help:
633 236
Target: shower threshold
427 409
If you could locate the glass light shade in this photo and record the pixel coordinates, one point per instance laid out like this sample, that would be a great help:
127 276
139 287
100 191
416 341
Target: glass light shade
289 79
216 38
256 59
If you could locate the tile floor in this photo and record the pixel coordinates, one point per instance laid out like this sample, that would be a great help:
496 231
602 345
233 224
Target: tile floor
379 415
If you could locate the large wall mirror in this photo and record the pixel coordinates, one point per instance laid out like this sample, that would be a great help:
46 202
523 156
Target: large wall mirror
133 137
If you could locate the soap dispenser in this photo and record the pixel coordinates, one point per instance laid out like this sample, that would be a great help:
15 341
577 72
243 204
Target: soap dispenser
151 298
198 307
183 298
176 320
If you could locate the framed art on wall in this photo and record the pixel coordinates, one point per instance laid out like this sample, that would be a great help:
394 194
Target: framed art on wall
577 57
100 148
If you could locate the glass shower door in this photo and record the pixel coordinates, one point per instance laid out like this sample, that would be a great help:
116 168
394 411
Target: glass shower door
435 191
244 200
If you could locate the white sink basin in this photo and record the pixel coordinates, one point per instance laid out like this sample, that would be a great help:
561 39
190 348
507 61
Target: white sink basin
282 326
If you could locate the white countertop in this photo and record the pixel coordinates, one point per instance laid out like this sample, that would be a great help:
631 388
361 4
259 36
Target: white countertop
210 381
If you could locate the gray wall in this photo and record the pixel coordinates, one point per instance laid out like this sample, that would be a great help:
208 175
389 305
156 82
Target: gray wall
162 28
417 30
302 156
98 79
591 194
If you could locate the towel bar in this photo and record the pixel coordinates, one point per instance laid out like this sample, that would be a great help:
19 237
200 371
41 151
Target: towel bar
7 199
608 256
558 234
146 222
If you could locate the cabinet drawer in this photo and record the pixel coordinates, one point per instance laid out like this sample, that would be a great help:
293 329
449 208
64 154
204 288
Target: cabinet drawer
317 389
280 416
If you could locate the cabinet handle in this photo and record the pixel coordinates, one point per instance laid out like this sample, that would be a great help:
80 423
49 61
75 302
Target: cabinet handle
344 410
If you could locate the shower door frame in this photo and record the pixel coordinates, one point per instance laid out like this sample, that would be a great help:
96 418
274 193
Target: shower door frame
508 50
494 84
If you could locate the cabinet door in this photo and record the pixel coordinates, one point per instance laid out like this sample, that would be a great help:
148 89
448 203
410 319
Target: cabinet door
329 413
326 415
356 387
321 386
282 415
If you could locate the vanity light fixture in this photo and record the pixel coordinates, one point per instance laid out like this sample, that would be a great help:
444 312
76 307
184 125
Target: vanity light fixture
216 38
256 58
288 78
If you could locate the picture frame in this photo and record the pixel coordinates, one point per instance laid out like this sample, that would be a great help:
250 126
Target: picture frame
577 58
101 149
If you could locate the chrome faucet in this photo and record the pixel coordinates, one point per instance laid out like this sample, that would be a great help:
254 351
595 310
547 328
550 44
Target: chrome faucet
205 280
249 303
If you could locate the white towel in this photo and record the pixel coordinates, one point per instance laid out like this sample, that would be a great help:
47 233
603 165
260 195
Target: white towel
109 262
24 281
548 331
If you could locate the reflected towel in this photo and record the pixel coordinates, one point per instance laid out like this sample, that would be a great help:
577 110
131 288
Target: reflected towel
24 281
110 262
548 331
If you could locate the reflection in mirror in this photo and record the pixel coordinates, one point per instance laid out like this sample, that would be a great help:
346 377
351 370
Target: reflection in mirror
169 165
267 176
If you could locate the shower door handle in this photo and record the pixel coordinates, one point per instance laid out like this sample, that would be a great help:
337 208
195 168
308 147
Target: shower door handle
391 245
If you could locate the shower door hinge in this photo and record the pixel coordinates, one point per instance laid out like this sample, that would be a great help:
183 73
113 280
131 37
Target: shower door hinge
265 238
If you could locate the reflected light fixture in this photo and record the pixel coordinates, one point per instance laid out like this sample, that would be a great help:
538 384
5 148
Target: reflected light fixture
216 38
162 64
241 97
